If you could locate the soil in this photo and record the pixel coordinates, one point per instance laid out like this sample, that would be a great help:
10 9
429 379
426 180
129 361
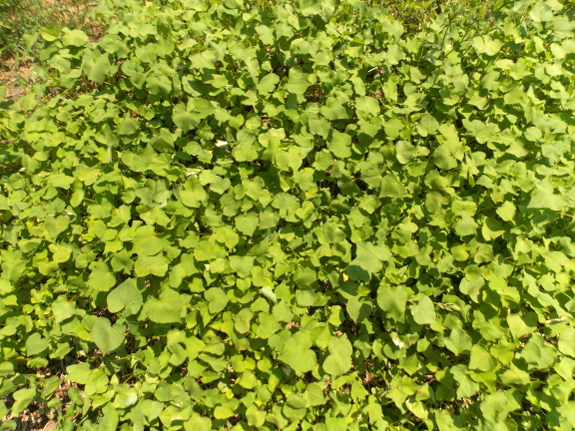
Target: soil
31 421
34 417
17 80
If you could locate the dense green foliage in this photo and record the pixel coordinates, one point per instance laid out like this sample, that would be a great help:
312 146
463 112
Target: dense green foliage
20 19
293 216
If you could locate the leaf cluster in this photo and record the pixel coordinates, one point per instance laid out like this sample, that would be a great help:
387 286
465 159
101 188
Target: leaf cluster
242 215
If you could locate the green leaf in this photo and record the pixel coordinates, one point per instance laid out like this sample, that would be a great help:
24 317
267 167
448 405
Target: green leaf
424 312
563 26
298 82
223 412
520 326
545 198
334 110
183 119
404 152
567 410
151 265
459 341
466 225
340 144
227 236
74 38
391 188
269 293
110 419
217 299
255 416
159 85
297 352
566 342
366 106
481 359
393 128
126 297
61 181
78 373
247 224
242 265
88 175
203 60
370 256
268 83
245 152
194 194
107 337
63 309
428 125
22 399
392 300
242 320
310 7
60 254
466 387
147 243
506 211
443 159
269 325
541 12
96 67
538 354
494 407
487 45
320 126
128 127
35 344
166 309
338 361
50 32
122 262
515 376
101 278
198 423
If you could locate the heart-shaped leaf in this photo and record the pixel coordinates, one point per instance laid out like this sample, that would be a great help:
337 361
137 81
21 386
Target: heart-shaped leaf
107 337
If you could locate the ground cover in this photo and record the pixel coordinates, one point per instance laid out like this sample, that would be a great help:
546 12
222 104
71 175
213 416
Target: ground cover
242 215
19 22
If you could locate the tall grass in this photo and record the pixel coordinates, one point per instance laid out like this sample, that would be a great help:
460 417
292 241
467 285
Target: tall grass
20 18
